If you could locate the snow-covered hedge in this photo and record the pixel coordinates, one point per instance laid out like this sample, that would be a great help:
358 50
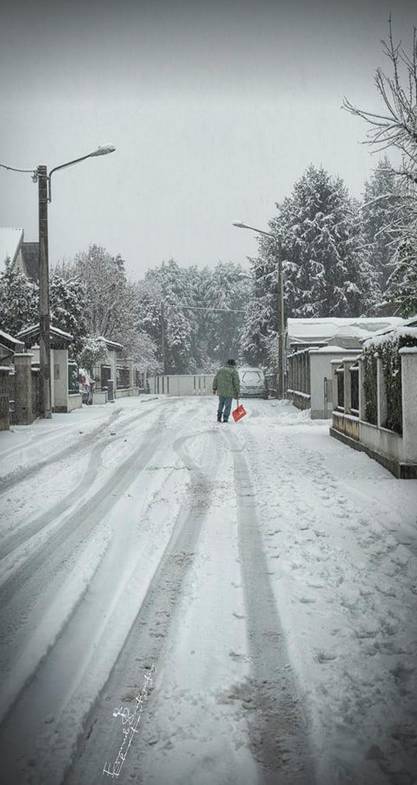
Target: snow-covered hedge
387 347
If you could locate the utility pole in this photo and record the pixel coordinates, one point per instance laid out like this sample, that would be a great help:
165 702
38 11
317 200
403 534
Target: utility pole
40 175
44 314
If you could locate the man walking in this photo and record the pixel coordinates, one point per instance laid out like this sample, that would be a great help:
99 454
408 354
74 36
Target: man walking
227 386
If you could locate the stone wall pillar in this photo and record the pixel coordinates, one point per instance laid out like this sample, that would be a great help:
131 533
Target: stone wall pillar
23 387
409 402
4 398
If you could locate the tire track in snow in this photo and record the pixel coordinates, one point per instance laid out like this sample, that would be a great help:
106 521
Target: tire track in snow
48 567
27 531
145 644
278 731
58 564
36 436
21 474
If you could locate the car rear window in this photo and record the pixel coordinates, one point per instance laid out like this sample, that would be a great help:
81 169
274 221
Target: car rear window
252 377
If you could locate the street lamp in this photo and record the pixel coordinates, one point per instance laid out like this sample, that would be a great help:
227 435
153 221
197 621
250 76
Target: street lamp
44 196
40 176
281 310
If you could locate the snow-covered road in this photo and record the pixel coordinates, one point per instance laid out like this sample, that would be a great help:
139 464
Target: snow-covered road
188 603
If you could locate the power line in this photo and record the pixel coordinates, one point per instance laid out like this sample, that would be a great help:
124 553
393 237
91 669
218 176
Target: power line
222 310
13 169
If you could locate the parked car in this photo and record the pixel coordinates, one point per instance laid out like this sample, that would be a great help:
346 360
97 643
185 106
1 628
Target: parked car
252 383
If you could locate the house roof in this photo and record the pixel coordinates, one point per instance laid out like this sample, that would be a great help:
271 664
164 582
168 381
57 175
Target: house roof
412 322
110 344
10 240
10 342
407 329
32 332
329 329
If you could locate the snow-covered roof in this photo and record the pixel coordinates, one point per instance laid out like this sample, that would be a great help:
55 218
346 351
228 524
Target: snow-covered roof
332 350
9 338
34 328
402 331
110 344
10 240
310 330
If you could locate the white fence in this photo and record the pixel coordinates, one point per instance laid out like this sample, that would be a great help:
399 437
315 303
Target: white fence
181 384
310 379
396 451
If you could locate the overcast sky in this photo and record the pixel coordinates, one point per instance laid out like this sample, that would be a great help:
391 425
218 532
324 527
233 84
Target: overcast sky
215 109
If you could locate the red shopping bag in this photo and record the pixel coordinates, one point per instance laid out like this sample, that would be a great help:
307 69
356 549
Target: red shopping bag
239 412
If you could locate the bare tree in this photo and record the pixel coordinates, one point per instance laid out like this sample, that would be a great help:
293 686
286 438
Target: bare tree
397 126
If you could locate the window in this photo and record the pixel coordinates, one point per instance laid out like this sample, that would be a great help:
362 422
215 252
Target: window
252 377
122 377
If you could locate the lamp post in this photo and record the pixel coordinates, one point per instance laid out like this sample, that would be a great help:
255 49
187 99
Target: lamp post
281 309
45 196
40 175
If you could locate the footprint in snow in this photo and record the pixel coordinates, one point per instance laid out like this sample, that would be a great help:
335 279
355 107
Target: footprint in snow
325 656
367 632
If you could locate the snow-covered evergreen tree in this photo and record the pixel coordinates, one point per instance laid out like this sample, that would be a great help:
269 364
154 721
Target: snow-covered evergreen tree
325 270
19 303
